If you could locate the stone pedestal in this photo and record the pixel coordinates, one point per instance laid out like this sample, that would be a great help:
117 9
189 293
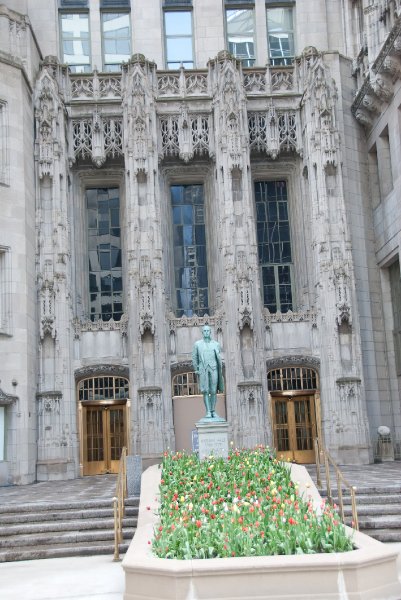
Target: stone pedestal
213 438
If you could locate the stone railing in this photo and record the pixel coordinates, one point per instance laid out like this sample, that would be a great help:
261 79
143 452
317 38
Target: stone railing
178 84
95 87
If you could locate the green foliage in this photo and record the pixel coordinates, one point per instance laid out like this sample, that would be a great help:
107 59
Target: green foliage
245 506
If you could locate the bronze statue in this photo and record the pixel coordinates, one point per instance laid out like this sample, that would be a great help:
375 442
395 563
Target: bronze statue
207 363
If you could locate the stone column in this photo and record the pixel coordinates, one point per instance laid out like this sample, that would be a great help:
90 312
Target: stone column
341 378
145 293
57 427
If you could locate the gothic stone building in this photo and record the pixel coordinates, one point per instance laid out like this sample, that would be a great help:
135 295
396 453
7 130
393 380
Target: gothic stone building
170 163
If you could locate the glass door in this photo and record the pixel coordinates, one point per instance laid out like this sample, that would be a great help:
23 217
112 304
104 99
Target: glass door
103 438
294 427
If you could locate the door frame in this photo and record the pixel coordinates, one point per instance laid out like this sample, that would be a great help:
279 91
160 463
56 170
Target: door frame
316 422
81 424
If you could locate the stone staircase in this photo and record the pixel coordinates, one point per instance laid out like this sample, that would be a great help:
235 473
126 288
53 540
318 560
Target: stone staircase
379 512
378 502
72 528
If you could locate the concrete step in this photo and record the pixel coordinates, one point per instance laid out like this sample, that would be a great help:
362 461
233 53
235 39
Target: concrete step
29 553
373 510
60 515
380 522
66 537
29 507
385 535
58 526
58 529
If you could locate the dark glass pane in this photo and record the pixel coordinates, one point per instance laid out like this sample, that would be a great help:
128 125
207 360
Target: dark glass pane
177 218
190 270
104 258
115 258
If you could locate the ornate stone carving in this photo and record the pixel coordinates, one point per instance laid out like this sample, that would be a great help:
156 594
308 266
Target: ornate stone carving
47 107
82 326
47 304
146 311
244 291
382 86
169 131
289 317
363 117
255 82
273 131
101 369
348 420
54 435
168 85
343 300
138 109
150 420
282 80
195 321
311 362
185 135
320 97
7 399
95 87
196 84
183 366
251 414
229 100
97 138
377 86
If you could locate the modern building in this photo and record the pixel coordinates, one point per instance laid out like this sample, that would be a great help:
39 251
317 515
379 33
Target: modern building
170 163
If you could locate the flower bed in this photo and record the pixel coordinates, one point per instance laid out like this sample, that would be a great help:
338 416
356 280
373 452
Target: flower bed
368 572
246 506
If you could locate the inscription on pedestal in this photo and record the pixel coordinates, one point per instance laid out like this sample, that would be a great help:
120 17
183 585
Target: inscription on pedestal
213 440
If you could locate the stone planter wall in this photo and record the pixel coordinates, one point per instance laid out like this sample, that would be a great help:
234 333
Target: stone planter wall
367 573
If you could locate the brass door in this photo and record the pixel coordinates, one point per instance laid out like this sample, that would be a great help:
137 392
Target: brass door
104 436
294 425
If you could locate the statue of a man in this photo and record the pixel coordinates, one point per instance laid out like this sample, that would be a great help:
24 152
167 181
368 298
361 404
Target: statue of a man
206 360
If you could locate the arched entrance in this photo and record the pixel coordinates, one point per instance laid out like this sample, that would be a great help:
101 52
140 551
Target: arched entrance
103 406
295 412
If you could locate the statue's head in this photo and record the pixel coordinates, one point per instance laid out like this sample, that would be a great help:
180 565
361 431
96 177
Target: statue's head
207 332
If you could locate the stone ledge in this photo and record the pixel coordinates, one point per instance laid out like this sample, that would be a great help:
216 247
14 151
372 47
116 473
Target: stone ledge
367 573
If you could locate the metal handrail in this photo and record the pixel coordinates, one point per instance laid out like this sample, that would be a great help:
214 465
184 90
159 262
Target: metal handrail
118 503
320 451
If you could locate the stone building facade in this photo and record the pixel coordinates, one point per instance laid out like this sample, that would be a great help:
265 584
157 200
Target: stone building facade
166 164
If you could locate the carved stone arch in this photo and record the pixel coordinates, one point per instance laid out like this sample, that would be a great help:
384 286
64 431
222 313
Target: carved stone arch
101 370
299 360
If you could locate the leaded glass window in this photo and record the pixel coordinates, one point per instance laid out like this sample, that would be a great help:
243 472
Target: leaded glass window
75 41
103 388
274 244
190 265
280 32
178 39
240 35
105 267
116 40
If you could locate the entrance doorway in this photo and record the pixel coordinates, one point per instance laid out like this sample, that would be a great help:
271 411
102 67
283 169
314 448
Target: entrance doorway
295 411
294 426
104 438
103 418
